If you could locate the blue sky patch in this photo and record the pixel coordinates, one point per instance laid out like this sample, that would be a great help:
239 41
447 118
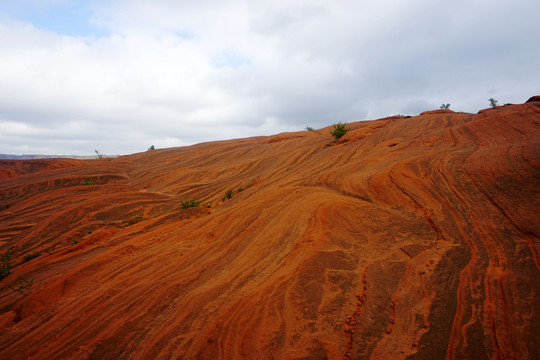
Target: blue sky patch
71 18
229 58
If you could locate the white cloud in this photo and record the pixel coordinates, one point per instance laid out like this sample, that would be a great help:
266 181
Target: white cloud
171 73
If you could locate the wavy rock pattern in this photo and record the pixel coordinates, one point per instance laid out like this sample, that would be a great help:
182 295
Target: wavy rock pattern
410 238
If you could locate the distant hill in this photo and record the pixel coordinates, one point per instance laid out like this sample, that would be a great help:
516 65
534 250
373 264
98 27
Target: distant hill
408 238
29 157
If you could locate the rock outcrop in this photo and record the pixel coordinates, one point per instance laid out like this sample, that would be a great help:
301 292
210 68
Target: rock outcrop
410 238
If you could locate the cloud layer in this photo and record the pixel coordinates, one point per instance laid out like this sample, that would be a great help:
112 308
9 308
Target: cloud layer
130 74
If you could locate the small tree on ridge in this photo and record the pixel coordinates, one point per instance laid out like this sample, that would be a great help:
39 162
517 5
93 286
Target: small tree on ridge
339 130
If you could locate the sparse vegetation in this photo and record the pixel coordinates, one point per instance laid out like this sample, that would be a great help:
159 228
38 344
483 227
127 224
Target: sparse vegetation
186 204
228 194
161 213
339 130
88 181
98 154
445 106
240 188
151 148
309 128
493 102
31 256
5 263
25 286
134 219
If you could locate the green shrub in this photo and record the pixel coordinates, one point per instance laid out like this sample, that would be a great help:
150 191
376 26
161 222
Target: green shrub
186 204
445 106
5 263
492 102
309 128
89 181
228 194
339 130
25 286
151 148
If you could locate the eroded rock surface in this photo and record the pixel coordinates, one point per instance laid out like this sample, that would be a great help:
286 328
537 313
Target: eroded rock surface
410 238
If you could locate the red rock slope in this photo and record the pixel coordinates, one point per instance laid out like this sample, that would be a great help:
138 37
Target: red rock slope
410 238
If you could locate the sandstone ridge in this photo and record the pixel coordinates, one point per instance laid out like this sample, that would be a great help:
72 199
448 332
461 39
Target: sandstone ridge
410 238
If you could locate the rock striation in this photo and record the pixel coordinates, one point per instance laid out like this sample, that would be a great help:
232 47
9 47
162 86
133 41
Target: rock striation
409 238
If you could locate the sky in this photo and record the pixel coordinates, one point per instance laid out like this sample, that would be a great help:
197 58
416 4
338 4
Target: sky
121 75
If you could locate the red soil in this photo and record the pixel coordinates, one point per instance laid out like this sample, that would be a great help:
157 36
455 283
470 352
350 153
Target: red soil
409 238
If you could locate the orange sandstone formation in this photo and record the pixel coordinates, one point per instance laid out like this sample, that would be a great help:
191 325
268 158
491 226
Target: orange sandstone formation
409 238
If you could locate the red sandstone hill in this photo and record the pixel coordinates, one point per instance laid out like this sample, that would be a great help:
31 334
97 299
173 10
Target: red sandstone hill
412 238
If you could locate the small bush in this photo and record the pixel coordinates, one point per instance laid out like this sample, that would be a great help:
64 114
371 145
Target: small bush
186 204
492 102
228 194
339 130
89 181
25 286
5 263
151 148
309 128
445 106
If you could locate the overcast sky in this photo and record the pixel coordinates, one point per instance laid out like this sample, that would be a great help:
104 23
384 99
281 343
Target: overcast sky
122 75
